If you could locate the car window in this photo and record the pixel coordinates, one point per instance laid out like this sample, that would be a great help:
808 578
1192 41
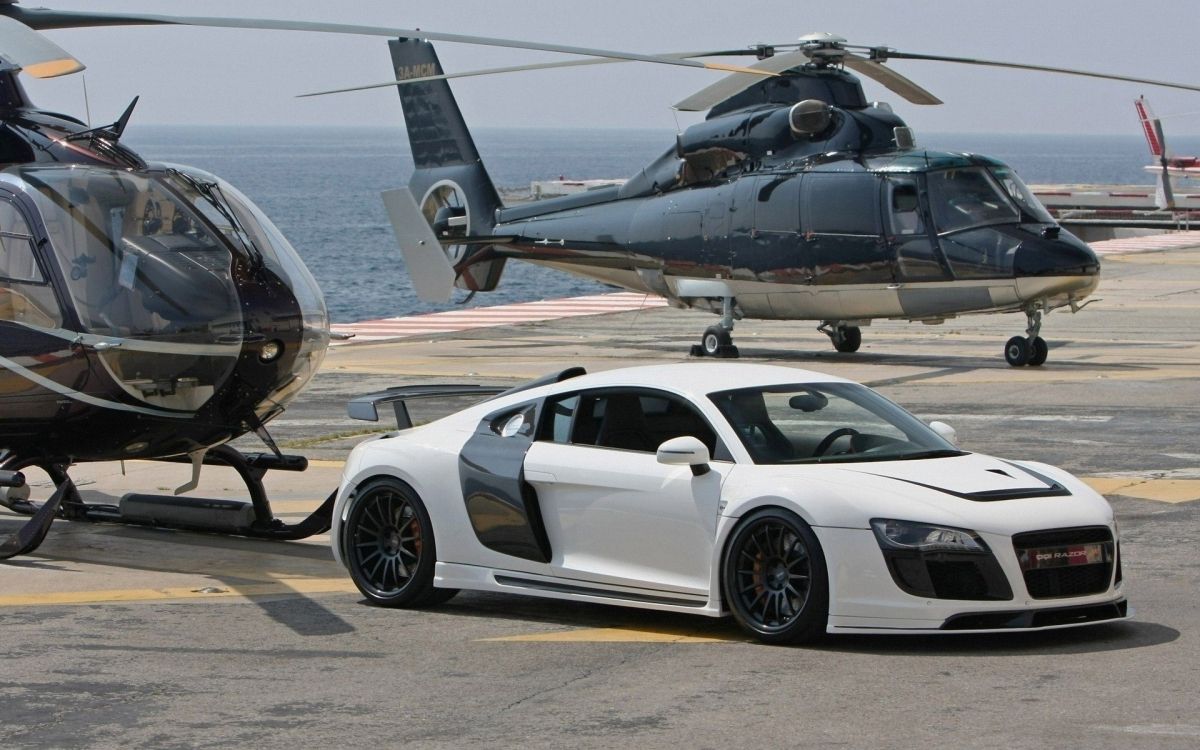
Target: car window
825 422
635 420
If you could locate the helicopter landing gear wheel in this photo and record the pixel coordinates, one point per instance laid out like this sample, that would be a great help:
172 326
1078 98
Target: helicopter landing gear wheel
1038 352
718 342
846 339
1016 351
1030 349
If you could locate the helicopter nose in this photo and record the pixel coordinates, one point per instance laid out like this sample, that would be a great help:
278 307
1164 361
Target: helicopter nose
1065 256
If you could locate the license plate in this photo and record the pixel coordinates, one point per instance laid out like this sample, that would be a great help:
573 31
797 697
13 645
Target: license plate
1058 557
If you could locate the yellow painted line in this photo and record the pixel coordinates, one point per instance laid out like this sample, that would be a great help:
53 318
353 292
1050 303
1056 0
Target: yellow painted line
1158 490
211 590
617 635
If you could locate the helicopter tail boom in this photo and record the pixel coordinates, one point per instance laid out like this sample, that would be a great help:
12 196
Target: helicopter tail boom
450 185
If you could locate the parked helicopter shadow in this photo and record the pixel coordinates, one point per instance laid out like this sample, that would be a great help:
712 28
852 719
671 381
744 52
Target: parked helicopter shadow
941 364
164 551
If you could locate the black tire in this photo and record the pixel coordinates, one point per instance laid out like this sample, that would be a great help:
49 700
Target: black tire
716 341
774 578
1016 351
389 548
1038 352
847 339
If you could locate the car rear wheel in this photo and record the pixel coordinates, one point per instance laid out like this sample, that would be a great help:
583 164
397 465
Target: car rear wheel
774 578
389 547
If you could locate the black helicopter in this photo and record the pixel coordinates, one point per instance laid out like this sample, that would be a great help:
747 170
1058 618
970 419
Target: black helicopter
796 198
146 311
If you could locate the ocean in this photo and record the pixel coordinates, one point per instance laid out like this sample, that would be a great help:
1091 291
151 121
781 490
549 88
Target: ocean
321 187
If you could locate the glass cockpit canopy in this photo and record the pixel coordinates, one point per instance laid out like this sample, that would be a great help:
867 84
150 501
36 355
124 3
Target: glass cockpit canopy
148 258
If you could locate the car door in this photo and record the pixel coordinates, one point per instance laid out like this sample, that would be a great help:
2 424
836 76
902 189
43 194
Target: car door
615 515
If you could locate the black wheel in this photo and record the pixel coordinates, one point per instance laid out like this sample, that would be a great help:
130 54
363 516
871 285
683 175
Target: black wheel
1038 352
847 339
718 342
774 578
1016 351
389 547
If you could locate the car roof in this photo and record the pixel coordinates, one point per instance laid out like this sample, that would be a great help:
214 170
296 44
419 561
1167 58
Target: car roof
696 379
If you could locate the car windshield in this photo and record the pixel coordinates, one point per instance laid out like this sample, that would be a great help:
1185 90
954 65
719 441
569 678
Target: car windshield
826 422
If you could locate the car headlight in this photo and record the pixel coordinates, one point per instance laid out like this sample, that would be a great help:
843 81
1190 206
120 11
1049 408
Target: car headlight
923 537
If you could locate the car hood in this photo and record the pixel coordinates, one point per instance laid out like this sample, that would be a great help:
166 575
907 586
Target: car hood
971 491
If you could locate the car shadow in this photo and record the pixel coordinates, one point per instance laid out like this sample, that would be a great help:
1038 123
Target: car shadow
509 610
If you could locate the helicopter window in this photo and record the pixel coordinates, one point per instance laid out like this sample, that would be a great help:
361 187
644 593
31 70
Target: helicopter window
25 297
906 210
137 262
1022 195
984 252
841 204
965 198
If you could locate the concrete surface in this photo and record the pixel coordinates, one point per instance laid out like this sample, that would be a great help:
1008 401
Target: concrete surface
120 637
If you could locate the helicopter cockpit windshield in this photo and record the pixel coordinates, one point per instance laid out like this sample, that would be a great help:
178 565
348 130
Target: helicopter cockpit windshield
970 211
150 262
248 228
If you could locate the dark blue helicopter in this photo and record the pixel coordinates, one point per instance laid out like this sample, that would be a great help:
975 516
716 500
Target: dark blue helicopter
795 199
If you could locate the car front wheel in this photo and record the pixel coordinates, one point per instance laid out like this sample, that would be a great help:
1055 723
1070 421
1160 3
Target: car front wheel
774 577
389 547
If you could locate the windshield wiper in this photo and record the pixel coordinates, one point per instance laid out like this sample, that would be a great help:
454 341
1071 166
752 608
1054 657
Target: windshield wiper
211 192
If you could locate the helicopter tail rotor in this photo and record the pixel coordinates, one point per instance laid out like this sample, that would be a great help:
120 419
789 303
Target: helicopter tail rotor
451 188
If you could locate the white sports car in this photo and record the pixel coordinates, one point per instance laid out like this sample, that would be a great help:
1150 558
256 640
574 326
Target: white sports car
799 502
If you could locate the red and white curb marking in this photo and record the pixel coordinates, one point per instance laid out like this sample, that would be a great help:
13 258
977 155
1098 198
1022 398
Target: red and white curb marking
1148 244
500 315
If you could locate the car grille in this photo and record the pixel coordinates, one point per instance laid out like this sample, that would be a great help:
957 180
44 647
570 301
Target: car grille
1054 579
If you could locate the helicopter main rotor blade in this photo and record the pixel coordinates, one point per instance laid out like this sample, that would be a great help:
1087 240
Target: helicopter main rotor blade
890 79
34 53
507 69
883 54
730 85
40 18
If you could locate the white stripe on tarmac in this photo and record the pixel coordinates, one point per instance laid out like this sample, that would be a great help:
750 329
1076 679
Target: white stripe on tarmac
1148 244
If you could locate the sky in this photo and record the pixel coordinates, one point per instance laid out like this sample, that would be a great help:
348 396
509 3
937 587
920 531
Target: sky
222 76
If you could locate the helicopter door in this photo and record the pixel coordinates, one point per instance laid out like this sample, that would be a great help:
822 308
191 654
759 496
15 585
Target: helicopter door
25 294
775 247
917 255
841 224
29 312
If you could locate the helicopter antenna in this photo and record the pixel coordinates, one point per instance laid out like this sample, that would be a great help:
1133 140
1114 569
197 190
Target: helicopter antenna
119 126
87 107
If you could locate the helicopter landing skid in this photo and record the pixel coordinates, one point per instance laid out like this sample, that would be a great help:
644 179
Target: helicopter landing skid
221 516
30 536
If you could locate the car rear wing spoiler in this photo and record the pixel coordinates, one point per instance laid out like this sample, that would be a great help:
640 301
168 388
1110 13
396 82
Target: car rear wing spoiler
367 407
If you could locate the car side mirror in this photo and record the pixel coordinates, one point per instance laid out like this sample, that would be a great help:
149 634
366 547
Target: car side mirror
685 451
947 433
